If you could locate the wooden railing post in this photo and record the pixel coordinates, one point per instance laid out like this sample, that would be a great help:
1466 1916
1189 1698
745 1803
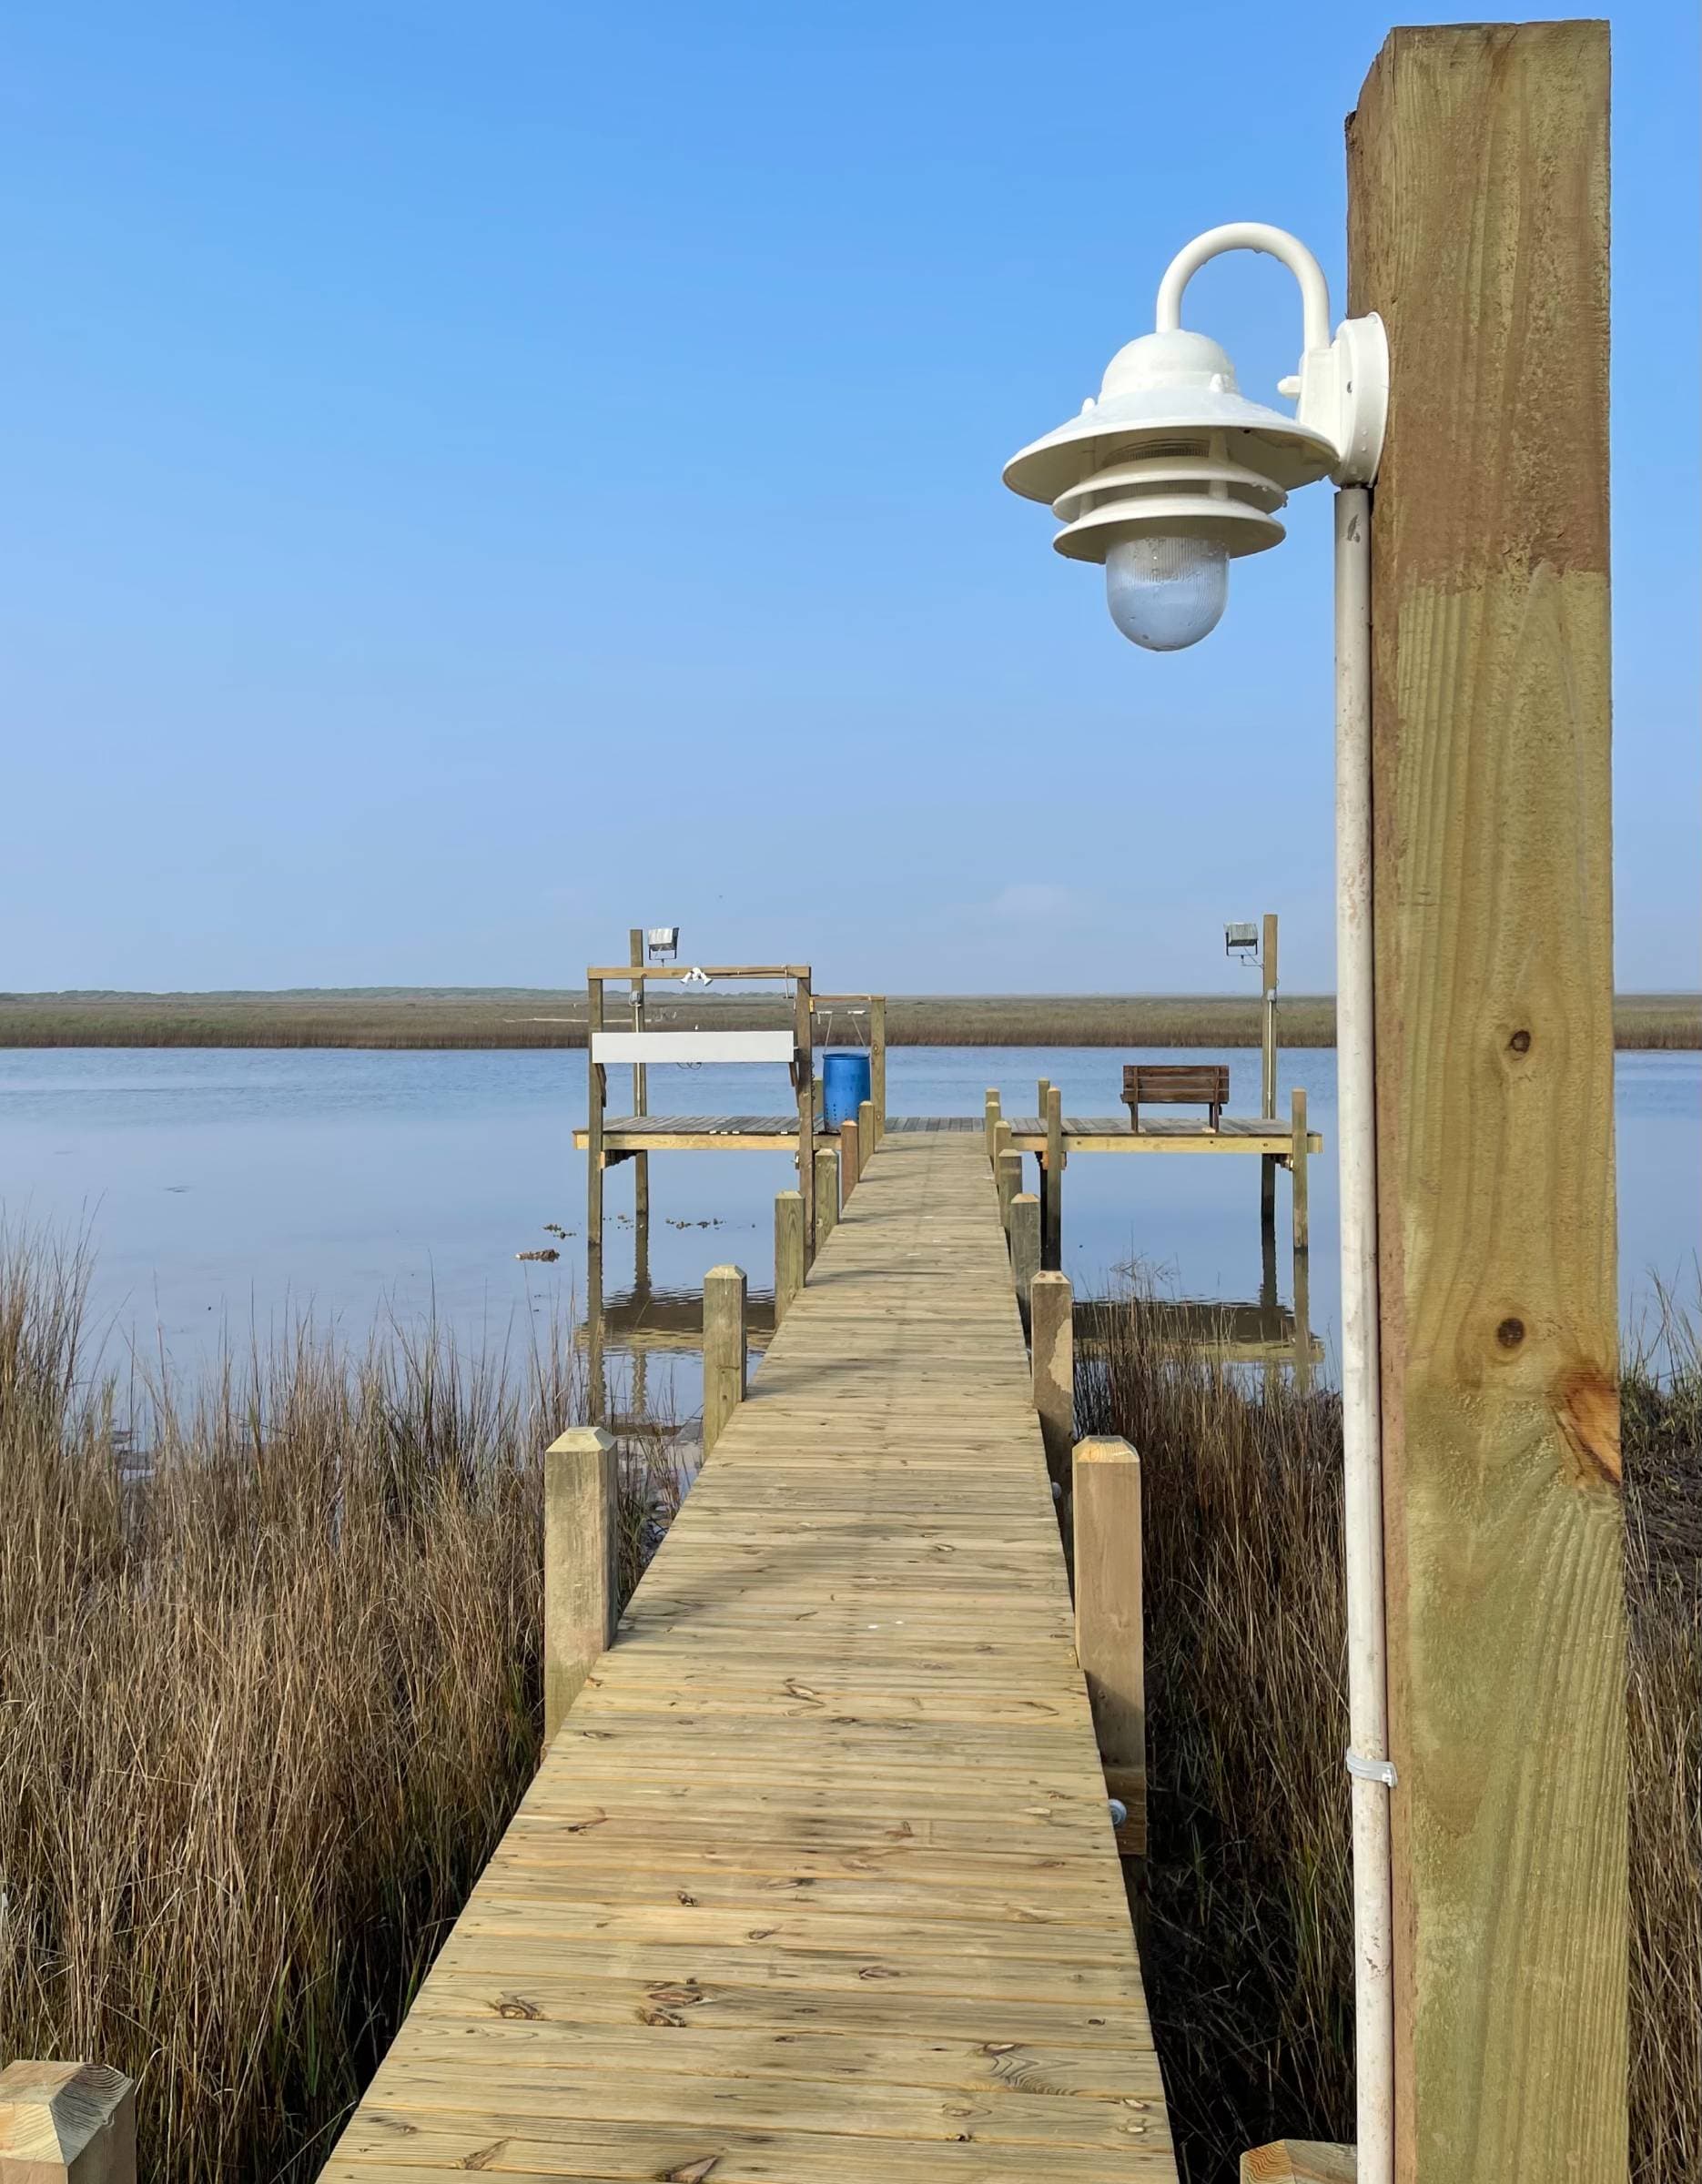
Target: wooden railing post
992 1124
1104 1501
826 1192
580 1486
848 1158
1007 1171
1298 1152
878 1061
725 1350
788 1250
866 1132
1025 1245
1052 1198
67 2123
1052 1363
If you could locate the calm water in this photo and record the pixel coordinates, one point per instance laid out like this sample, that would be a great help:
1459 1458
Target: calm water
223 1189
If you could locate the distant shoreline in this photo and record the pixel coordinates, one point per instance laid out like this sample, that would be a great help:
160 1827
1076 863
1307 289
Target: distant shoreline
449 1019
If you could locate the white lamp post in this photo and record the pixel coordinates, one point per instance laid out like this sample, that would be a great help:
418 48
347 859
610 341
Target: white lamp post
1167 476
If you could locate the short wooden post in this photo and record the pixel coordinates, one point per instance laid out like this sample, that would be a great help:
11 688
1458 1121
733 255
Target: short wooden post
826 1192
1297 1149
1001 1140
725 1350
788 1250
992 1123
67 2123
1042 1090
1025 1245
1104 1504
1052 1229
1052 1363
866 1132
581 1489
1298 2161
1478 228
878 1061
848 1168
1010 1181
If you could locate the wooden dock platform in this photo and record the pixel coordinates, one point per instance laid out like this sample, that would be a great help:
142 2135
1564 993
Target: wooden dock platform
818 1884
623 1134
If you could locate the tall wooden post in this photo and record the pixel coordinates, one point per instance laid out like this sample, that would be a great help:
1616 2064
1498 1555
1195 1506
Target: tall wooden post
1267 1026
580 1486
804 1084
1052 1194
596 1093
878 1061
1478 228
726 1349
67 2123
641 1082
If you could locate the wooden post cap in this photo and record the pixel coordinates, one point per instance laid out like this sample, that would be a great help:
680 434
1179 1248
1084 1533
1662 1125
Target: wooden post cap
1298 2161
67 2123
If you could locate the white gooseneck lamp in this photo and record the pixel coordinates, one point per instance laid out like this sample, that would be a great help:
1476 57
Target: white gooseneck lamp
1167 476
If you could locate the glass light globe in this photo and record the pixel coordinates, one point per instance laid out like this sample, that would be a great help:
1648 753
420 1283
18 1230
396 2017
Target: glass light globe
1165 593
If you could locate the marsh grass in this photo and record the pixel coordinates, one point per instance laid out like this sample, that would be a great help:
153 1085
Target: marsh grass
1250 1950
269 1695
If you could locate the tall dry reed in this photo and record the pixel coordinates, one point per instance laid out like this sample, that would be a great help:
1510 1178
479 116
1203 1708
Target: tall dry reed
1249 1961
268 1694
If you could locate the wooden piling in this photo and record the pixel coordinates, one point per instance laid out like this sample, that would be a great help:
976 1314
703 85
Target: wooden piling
878 1061
596 1093
992 1123
1268 1018
641 1081
803 1081
1105 1502
789 1254
1025 1245
67 2123
866 1132
1478 228
581 1485
1041 1090
1009 1176
1052 1364
1052 1200
1298 1156
725 1349
848 1158
826 1192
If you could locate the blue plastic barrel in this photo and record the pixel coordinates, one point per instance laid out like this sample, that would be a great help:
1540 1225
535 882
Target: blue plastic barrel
844 1086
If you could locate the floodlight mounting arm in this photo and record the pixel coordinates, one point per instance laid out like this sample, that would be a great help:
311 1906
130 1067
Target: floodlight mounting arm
1342 389
1248 235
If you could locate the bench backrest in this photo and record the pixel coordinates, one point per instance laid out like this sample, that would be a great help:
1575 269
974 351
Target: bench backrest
1207 1082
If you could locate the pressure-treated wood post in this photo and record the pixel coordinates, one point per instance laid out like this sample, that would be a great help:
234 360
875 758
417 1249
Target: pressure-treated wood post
1025 1245
992 1123
848 1158
641 1080
596 1095
1478 228
1009 1176
1042 1088
1104 1501
1052 1362
725 1349
67 2123
826 1192
1053 1197
789 1254
580 1486
1267 1022
878 1061
1298 1152
803 1067
865 1133
1298 2161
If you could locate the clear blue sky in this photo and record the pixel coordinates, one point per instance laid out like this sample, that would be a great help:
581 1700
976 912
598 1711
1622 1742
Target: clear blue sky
478 477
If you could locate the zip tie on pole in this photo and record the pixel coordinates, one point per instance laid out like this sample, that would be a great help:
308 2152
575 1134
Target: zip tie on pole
1370 1770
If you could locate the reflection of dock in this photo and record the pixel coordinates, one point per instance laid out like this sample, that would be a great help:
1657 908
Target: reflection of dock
672 1319
1230 1333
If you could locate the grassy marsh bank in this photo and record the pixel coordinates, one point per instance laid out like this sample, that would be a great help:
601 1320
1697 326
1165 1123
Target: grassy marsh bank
1250 1962
517 1017
265 1707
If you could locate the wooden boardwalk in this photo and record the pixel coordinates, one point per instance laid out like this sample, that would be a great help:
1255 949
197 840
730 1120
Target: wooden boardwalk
818 1884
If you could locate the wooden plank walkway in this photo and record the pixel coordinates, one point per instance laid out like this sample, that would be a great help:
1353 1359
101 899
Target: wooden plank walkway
818 1884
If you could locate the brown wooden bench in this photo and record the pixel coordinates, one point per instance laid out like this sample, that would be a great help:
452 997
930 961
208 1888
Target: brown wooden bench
1175 1084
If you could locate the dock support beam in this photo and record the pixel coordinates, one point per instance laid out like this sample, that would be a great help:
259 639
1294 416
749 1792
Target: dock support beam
581 1485
1052 1362
789 1254
1478 228
67 2123
726 1349
826 1192
1105 1502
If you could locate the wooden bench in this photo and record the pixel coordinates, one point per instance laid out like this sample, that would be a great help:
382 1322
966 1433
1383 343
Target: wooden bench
1174 1084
